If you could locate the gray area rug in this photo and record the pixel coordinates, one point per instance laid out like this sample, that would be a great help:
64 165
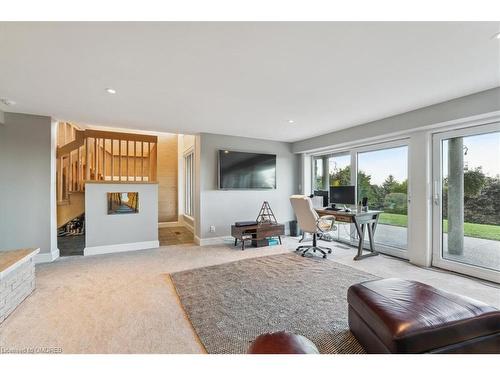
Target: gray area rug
230 304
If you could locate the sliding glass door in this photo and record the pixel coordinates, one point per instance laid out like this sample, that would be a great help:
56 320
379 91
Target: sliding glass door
383 179
466 201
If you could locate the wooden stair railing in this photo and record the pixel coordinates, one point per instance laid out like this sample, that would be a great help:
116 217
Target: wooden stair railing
95 155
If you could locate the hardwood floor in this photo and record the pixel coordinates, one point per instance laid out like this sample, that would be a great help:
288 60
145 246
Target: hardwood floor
174 236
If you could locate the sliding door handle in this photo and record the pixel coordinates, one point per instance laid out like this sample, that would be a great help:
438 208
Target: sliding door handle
436 197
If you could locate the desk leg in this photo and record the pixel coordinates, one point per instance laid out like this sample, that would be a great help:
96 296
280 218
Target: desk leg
361 233
279 237
370 236
235 241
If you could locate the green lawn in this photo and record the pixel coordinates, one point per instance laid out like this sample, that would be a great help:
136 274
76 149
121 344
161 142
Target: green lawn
485 231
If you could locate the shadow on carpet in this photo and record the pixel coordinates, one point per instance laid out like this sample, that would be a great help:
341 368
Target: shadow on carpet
230 304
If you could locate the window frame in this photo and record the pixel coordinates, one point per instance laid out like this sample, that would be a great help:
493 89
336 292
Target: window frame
438 260
189 183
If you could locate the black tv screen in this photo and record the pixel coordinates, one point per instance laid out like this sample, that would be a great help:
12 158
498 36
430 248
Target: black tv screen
246 170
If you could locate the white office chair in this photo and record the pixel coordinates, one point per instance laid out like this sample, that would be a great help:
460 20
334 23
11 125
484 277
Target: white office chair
309 221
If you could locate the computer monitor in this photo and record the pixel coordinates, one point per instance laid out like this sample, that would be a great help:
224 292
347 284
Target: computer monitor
324 194
343 194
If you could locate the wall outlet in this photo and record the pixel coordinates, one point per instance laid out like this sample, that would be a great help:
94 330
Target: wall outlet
212 228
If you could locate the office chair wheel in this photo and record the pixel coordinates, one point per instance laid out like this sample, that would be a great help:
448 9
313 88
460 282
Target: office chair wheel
329 251
324 256
303 254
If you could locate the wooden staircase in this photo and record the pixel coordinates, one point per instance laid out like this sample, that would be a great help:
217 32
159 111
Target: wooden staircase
94 155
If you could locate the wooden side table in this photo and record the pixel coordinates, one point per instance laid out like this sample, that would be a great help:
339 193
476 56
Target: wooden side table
256 233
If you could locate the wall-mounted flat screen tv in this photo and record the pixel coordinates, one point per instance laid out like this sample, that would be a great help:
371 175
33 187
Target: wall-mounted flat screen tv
246 170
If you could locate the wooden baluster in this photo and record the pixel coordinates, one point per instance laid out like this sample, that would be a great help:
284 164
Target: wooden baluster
58 179
155 160
120 160
142 161
79 170
95 159
149 161
112 160
87 159
66 182
135 161
70 172
104 159
127 160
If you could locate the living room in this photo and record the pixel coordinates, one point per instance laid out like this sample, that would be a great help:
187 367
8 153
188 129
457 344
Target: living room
250 188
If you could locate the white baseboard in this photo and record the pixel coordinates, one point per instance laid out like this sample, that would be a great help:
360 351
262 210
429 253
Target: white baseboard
47 257
180 223
212 241
133 246
169 224
197 240
188 226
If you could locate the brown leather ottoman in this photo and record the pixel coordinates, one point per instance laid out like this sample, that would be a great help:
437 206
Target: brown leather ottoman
403 316
282 343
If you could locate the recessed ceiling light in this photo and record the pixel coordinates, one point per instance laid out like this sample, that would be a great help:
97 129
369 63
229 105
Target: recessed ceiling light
291 121
109 90
496 36
7 102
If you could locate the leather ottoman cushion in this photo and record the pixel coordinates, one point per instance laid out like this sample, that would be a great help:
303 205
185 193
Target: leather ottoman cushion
412 317
282 343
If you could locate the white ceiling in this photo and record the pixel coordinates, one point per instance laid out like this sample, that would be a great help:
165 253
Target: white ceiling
245 79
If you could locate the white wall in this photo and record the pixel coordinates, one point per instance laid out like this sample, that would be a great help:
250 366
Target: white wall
222 208
416 126
113 233
467 106
27 197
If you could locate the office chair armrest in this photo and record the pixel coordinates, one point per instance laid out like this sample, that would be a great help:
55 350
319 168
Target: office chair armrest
325 218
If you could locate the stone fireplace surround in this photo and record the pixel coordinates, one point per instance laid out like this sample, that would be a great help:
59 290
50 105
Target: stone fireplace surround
17 278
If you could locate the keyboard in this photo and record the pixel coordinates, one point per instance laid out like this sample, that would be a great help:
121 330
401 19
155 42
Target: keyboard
333 209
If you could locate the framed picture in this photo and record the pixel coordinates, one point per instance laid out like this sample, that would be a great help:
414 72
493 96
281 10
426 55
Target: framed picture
123 203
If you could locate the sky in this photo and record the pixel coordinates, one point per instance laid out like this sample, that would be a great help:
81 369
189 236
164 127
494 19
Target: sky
482 151
378 164
382 163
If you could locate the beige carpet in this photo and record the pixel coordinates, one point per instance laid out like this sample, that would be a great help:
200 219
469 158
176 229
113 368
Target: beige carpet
122 303
286 292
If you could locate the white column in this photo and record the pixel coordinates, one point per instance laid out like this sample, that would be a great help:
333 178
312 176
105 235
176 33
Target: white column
456 196
53 190
306 175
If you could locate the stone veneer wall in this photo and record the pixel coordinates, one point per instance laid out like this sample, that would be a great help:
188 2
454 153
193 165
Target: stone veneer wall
15 287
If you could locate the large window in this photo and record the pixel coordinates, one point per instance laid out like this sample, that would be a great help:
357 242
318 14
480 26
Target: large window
466 200
381 175
189 184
